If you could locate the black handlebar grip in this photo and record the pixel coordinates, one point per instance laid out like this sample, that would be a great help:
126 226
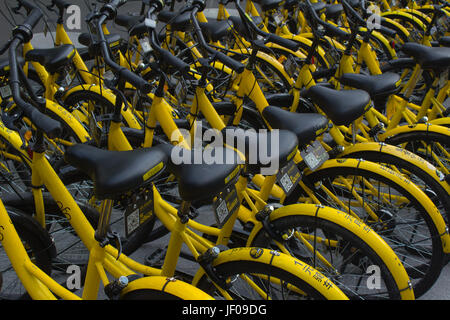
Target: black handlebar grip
33 18
138 82
52 128
336 31
109 10
175 62
286 43
230 62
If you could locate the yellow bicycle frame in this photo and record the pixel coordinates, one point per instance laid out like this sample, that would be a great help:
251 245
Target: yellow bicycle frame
107 259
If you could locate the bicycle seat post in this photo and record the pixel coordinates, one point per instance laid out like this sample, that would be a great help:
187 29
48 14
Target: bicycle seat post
105 215
183 211
174 248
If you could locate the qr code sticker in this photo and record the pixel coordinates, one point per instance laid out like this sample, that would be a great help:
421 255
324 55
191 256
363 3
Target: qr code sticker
311 160
5 92
132 221
222 211
286 182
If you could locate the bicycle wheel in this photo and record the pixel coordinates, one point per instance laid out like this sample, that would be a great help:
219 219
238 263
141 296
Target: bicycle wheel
257 273
39 246
390 206
70 250
342 255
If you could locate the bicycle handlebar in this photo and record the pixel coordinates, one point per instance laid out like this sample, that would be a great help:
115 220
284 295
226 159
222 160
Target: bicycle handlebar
228 61
270 37
349 10
34 17
108 12
333 30
169 58
49 126
352 12
165 55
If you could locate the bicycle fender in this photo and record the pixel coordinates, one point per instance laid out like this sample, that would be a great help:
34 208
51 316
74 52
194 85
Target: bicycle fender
380 37
289 263
127 114
170 285
421 127
380 147
69 119
358 228
298 53
402 32
412 18
424 17
390 174
441 122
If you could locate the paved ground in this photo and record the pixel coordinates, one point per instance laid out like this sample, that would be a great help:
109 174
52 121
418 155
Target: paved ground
440 291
